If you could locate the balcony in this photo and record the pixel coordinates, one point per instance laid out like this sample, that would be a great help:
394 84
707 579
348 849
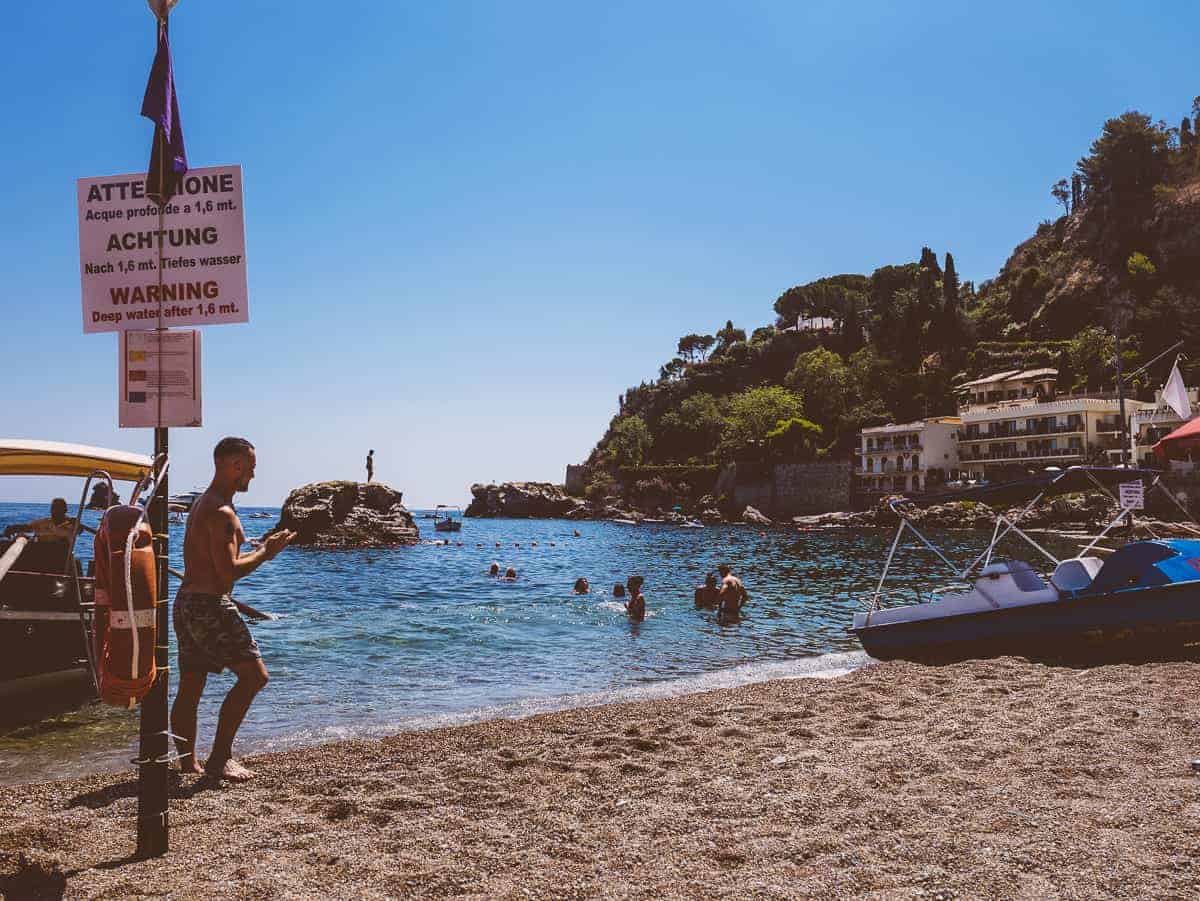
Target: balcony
1058 453
966 437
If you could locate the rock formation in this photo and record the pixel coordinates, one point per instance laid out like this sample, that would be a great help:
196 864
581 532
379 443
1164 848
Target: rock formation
755 517
347 515
522 500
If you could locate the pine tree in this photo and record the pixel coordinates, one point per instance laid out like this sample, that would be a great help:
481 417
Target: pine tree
949 285
1076 191
1186 138
929 261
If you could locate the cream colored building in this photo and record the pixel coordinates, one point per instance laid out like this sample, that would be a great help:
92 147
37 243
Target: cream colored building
908 458
1015 422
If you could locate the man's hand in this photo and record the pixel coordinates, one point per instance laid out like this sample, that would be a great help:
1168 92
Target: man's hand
277 541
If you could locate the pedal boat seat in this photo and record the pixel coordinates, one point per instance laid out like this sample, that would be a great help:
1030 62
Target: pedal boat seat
1076 574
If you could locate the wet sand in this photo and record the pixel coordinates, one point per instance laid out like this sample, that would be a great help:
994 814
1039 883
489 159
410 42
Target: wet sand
988 779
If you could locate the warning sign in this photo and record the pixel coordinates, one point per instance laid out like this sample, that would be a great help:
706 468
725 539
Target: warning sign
159 379
191 270
1133 495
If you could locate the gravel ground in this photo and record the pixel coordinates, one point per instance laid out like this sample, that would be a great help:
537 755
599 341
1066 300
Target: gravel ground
1001 779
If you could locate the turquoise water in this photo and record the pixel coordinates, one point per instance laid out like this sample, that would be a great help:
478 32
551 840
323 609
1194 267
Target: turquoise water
372 642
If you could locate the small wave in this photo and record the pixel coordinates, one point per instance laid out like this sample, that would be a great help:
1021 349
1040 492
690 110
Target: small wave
824 666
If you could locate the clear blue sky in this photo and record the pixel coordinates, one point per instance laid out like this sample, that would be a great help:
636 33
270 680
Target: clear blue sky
471 225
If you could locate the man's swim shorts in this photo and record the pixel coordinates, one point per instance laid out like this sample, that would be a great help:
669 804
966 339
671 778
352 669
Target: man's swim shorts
210 633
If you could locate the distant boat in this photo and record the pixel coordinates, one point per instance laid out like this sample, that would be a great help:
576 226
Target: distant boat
691 524
182 503
626 522
447 519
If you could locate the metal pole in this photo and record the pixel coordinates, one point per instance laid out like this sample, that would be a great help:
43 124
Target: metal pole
152 828
1121 395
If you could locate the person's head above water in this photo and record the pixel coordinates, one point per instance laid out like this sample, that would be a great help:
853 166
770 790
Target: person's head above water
494 569
618 590
635 583
724 569
710 581
510 573
233 460
58 510
581 586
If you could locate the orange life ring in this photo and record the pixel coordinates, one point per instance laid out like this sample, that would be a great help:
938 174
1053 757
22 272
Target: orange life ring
126 596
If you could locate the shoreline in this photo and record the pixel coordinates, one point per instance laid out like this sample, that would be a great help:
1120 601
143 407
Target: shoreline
998 777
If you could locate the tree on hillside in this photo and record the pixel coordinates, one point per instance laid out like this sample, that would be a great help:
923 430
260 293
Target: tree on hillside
1092 357
820 378
691 431
672 370
796 439
1076 191
1187 139
1126 161
1061 192
929 261
693 346
628 440
728 336
752 414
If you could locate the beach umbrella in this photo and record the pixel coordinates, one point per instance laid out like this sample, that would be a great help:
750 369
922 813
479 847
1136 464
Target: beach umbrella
1180 442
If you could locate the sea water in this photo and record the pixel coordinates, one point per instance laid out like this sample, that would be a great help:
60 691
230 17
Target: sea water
371 642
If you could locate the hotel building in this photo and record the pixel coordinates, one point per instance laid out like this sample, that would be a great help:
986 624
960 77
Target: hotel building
1015 422
909 458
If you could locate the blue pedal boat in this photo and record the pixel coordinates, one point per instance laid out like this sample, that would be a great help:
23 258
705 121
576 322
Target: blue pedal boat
1141 602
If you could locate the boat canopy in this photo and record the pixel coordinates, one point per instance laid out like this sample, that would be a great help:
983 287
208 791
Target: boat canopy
1178 444
1052 483
19 457
1146 563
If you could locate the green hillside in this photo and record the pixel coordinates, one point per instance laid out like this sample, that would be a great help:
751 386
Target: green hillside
890 346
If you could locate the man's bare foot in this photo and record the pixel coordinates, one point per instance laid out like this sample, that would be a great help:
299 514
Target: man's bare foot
190 765
232 770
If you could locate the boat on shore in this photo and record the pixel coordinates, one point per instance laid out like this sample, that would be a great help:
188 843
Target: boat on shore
1139 601
46 600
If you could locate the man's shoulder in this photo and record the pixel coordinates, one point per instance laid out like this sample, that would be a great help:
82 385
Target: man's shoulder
214 511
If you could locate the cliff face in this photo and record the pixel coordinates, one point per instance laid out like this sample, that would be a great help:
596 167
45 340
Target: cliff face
347 514
521 500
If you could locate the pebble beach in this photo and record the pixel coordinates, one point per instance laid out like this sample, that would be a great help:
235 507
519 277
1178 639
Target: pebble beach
995 779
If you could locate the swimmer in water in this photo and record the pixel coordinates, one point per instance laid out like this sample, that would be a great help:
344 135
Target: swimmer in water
618 590
732 596
582 586
494 569
576 533
708 593
636 605
510 575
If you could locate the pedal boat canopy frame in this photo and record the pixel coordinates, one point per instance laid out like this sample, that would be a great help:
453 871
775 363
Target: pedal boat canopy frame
19 457
1029 492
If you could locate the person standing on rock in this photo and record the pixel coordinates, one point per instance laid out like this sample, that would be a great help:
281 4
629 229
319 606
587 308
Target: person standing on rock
370 465
210 634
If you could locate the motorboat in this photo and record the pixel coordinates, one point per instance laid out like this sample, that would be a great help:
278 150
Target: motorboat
1138 601
447 519
46 600
182 503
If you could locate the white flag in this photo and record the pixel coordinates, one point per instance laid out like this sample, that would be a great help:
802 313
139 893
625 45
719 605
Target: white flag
1175 394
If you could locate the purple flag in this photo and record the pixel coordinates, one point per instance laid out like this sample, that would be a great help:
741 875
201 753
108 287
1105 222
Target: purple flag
168 159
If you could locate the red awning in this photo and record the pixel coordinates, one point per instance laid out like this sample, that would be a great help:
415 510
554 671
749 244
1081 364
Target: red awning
1180 442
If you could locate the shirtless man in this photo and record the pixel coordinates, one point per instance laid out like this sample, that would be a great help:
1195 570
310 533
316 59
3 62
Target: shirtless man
56 527
210 633
732 595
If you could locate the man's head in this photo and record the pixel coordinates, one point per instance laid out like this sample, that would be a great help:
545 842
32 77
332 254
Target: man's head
710 580
724 569
371 453
58 509
234 461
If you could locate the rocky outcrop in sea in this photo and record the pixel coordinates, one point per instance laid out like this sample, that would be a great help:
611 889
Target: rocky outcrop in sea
347 515
523 500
